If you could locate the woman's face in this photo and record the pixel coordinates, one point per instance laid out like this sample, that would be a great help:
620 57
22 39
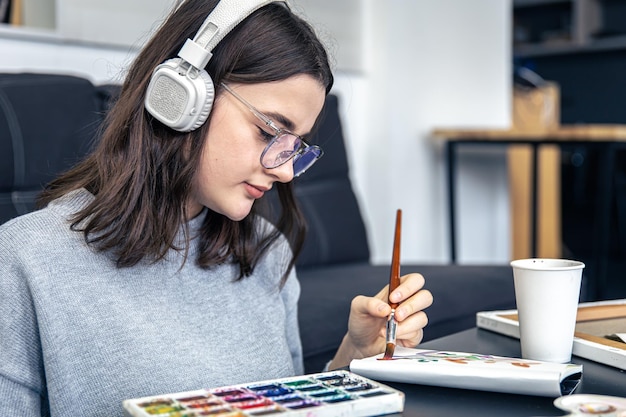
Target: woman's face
230 176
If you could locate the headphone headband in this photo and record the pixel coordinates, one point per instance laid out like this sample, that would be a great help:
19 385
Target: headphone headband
224 18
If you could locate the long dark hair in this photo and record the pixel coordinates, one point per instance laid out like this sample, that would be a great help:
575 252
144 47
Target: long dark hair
141 171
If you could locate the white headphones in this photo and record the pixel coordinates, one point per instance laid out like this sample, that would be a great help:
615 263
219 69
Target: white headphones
180 94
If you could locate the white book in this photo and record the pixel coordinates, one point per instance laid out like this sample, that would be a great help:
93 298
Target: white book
594 322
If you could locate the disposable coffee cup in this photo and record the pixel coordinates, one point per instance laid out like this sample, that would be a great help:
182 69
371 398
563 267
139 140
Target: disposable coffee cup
547 293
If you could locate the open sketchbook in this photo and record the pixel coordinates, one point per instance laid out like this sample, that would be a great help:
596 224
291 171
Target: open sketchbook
472 371
594 322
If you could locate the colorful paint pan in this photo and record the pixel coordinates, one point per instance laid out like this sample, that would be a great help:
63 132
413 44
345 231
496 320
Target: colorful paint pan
324 394
266 411
274 392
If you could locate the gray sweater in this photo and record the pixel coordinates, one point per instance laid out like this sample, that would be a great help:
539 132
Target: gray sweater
78 335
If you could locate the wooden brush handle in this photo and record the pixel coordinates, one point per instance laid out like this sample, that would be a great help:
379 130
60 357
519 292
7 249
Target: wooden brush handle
394 277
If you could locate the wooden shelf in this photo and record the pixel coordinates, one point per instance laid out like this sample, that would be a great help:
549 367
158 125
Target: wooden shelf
613 43
586 132
558 27
532 3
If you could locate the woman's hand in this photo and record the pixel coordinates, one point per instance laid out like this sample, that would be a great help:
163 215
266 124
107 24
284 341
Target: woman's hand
368 319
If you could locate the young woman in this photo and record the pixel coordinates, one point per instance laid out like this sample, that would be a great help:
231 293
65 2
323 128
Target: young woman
148 269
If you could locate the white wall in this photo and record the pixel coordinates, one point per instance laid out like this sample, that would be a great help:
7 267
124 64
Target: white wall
26 49
412 66
38 13
115 22
430 64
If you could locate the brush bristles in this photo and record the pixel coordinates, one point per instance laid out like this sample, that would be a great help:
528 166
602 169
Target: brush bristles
389 351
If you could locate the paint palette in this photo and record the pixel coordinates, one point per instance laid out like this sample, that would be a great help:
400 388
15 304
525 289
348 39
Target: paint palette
323 394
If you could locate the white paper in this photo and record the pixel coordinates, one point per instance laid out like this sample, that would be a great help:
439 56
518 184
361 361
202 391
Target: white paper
472 371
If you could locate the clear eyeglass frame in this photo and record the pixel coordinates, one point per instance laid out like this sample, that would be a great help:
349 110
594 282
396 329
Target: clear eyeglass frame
284 145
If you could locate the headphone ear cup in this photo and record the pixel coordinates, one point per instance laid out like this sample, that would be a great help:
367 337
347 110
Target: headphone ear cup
180 96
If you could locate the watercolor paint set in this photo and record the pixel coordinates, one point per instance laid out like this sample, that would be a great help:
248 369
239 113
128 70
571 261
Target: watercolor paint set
336 393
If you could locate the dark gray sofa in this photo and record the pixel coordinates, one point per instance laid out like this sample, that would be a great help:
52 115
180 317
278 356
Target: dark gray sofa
48 122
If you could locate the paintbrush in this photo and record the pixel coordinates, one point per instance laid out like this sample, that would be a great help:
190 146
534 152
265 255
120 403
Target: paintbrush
394 282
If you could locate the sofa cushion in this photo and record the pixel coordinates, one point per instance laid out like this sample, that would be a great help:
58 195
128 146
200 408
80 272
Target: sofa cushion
459 292
336 231
47 123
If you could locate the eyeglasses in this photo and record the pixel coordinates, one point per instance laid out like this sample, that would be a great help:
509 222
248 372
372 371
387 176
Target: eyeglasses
284 145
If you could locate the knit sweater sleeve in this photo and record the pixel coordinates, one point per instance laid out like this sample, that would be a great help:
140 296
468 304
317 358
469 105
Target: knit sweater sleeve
22 381
290 295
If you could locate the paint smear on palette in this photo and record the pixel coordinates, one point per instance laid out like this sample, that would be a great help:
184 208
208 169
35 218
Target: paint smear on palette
592 405
325 394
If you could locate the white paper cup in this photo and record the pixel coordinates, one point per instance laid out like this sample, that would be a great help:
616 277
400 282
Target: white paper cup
546 293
